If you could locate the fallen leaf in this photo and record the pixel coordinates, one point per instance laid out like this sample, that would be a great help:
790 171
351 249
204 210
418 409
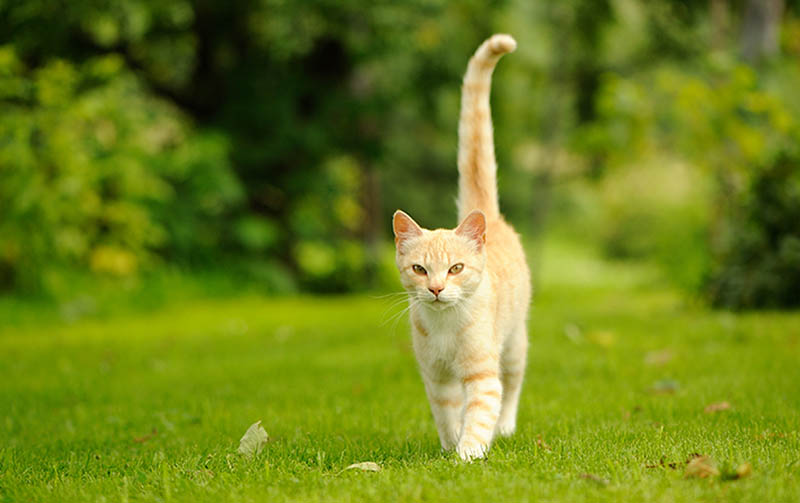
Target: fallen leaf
716 407
664 387
701 468
253 440
541 443
673 465
626 414
692 456
573 333
768 434
604 338
743 470
594 478
366 466
145 438
659 465
658 357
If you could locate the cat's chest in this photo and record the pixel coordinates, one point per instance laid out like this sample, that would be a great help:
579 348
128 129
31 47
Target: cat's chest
440 336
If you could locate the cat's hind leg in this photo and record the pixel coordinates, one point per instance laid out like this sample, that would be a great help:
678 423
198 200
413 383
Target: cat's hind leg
512 372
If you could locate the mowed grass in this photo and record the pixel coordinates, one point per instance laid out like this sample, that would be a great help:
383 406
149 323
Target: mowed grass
150 407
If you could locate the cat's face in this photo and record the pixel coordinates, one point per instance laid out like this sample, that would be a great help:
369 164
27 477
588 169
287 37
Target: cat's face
440 268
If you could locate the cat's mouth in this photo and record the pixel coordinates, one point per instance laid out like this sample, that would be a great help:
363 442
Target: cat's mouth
438 303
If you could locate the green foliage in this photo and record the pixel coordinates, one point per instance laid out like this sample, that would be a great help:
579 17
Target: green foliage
758 254
276 138
305 101
96 174
728 121
658 211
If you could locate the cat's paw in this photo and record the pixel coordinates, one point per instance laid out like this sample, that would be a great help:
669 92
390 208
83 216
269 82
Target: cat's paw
506 428
470 450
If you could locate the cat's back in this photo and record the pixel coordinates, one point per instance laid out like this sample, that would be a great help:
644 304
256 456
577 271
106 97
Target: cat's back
508 268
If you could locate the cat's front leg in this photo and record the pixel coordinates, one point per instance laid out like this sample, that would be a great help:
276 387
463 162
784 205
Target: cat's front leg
446 398
483 395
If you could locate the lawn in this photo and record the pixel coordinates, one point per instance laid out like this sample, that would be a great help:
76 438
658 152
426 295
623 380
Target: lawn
150 405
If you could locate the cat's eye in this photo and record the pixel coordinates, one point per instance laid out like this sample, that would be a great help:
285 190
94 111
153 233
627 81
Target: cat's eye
419 269
456 269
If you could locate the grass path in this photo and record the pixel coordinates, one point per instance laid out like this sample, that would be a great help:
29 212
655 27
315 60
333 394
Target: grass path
151 407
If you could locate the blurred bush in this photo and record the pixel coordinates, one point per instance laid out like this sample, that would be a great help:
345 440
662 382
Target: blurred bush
758 250
658 210
728 122
97 174
272 140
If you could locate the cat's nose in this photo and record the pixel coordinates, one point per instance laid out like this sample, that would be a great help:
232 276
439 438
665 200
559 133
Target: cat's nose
436 290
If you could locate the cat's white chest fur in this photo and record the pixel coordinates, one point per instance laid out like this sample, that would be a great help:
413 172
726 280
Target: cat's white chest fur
442 336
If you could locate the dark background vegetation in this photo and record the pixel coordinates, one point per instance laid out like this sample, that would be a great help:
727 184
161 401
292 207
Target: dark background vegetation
270 141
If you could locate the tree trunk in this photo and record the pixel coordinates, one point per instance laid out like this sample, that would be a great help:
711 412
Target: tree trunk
719 23
760 29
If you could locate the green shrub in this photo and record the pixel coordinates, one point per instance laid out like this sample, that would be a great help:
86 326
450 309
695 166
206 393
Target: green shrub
97 175
757 259
737 243
658 211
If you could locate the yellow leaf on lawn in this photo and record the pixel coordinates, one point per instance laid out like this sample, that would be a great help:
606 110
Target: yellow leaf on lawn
366 466
716 407
700 467
253 440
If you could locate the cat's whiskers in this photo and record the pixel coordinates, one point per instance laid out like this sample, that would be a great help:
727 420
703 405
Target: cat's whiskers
395 319
400 313
394 303
387 295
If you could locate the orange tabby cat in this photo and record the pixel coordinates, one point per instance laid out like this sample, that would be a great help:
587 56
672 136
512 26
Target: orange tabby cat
469 288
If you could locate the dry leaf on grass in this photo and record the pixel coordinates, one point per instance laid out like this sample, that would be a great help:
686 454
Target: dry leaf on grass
743 470
673 465
771 434
603 338
541 444
664 387
661 357
716 407
145 438
573 333
626 414
701 468
366 466
594 478
253 440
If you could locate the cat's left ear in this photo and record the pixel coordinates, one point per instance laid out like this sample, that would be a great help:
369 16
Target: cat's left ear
474 228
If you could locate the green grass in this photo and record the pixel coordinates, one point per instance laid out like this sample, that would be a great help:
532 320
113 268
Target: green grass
150 406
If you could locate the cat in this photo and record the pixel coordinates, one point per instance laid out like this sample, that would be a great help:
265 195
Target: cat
469 288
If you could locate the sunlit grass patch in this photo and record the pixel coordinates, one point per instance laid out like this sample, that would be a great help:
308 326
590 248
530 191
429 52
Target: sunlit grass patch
151 406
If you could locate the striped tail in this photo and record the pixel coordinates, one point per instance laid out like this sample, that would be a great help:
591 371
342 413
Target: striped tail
477 167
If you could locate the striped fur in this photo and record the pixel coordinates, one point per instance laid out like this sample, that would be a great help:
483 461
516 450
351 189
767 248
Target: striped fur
468 323
477 167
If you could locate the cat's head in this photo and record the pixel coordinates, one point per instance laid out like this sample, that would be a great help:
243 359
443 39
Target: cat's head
440 267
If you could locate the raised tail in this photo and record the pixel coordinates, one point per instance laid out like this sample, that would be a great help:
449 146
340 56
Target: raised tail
477 167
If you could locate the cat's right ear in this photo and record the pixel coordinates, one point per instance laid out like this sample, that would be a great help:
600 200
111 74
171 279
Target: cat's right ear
404 228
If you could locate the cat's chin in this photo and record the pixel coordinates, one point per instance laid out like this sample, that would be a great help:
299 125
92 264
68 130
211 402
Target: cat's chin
440 305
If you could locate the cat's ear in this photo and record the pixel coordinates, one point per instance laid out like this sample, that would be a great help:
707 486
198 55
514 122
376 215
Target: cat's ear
474 228
404 227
